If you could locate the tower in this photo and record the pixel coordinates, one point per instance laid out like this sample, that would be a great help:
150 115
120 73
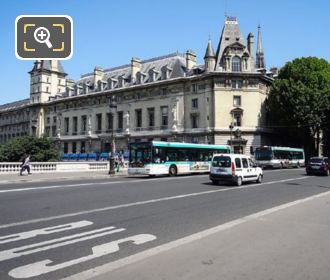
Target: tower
209 58
260 59
47 79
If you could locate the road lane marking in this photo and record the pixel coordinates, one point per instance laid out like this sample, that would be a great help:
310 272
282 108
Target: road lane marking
43 267
90 184
120 263
43 231
55 243
144 202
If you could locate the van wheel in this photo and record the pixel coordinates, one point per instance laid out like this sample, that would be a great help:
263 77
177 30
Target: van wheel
173 171
215 182
259 180
239 181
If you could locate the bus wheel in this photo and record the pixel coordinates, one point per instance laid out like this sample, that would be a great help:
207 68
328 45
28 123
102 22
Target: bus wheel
173 171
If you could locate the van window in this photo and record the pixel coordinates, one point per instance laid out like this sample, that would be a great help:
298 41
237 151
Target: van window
245 163
238 163
221 161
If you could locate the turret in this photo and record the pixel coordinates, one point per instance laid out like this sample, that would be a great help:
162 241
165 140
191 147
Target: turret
209 58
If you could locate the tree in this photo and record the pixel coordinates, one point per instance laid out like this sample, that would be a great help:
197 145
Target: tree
40 149
299 101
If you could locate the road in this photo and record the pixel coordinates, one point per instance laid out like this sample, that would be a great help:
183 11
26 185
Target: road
52 230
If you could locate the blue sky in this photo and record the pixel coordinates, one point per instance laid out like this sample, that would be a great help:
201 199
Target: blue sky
108 33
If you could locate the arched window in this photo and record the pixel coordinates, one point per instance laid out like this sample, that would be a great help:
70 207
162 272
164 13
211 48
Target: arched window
236 64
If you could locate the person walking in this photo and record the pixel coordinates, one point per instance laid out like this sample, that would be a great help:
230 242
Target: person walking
25 165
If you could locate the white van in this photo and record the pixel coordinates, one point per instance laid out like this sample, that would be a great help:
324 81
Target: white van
235 168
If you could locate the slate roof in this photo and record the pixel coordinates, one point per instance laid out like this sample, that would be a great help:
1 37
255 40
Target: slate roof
14 105
176 62
230 34
45 65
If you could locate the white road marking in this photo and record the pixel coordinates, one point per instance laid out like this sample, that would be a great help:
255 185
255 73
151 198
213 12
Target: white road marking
107 268
145 202
43 267
43 231
55 243
89 184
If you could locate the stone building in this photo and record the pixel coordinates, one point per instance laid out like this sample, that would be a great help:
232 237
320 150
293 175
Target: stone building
170 98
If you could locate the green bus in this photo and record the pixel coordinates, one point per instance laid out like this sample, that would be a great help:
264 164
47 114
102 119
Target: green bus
171 158
279 157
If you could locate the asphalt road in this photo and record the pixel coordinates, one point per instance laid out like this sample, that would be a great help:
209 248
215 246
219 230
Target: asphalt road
51 230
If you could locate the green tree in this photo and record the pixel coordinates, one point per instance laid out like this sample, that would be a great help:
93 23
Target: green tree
299 101
40 149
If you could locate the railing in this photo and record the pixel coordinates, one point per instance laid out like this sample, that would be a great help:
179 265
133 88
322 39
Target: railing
42 167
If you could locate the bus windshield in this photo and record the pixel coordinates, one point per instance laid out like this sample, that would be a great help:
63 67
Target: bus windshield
263 154
140 154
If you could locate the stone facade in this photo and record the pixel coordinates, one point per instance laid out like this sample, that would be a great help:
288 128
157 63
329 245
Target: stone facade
168 98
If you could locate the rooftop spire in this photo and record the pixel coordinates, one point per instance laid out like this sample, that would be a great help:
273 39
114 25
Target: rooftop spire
260 60
209 50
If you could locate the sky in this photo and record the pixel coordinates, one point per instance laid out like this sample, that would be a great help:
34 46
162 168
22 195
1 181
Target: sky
109 33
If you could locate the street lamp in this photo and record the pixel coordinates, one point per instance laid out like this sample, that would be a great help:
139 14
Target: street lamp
113 109
231 127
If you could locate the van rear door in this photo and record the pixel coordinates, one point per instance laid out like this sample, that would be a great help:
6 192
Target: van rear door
221 165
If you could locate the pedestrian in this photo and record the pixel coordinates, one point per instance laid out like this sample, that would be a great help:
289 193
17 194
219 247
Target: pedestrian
25 165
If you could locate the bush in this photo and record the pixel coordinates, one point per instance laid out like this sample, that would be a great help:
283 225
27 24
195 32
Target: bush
40 149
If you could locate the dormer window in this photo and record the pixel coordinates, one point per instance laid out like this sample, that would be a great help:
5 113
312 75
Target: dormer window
153 75
112 83
121 81
140 77
236 64
166 71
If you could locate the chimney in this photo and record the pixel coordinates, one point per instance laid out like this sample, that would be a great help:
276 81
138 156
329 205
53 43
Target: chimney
54 65
190 59
98 74
135 68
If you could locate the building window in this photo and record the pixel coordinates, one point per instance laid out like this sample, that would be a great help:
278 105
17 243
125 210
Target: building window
237 119
47 89
47 131
109 121
236 64
82 147
48 120
194 87
98 123
83 123
164 116
65 147
138 118
237 101
194 103
74 147
66 125
194 121
75 125
120 120
236 84
54 130
54 119
151 117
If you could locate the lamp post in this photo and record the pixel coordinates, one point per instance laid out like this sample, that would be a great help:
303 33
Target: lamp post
231 136
113 109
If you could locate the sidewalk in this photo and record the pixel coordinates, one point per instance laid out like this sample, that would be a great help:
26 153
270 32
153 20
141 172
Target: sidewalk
55 176
287 242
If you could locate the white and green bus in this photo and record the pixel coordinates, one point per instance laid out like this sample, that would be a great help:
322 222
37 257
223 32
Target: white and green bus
279 157
172 158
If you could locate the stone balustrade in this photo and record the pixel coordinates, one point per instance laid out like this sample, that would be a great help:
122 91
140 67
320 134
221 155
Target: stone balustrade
42 167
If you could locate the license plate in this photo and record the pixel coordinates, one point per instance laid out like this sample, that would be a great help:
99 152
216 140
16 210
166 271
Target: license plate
315 167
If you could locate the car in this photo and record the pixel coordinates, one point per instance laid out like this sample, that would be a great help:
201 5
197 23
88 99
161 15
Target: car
318 165
234 168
